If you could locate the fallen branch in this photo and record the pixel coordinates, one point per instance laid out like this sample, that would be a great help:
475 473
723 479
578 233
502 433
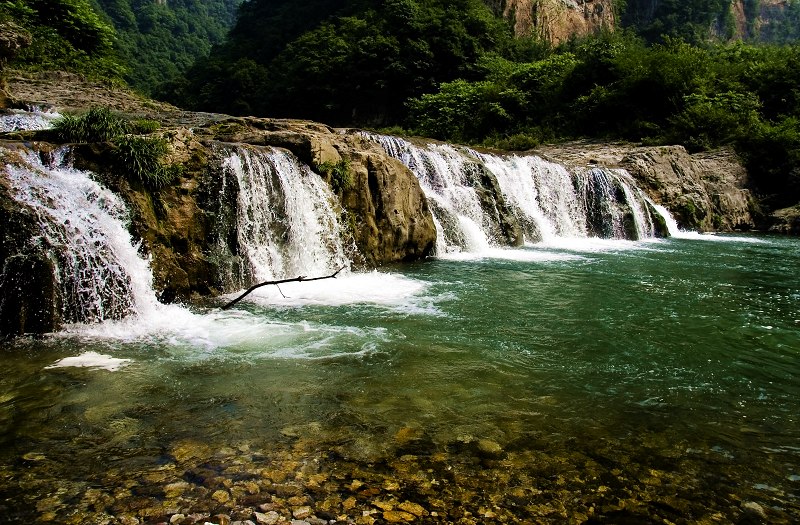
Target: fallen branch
300 278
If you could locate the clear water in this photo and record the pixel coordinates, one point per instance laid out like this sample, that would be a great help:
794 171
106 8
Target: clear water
624 382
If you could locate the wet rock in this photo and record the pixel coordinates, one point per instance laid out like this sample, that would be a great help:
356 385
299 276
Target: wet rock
398 516
786 221
190 450
173 490
222 519
269 518
301 512
30 300
753 511
413 508
221 496
489 449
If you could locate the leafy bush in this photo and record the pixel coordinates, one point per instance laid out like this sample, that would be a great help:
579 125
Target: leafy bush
66 35
710 121
466 111
515 142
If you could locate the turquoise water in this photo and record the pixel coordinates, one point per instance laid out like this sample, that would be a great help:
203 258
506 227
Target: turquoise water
604 382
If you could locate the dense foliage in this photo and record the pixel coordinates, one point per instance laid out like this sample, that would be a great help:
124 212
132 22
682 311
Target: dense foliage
616 86
695 21
66 35
345 61
160 40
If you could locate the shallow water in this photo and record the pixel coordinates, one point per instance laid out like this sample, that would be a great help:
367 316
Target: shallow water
586 381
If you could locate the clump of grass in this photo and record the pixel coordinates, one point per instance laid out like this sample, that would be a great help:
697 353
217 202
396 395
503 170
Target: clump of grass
143 126
96 125
140 158
338 174
136 157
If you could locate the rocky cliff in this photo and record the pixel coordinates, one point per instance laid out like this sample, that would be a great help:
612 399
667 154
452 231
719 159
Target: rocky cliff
556 20
703 191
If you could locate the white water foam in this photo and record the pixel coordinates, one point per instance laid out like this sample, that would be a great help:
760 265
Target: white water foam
597 245
287 216
33 120
376 288
92 360
83 232
188 336
530 253
550 202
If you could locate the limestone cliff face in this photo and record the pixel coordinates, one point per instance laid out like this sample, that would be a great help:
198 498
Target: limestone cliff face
703 191
556 20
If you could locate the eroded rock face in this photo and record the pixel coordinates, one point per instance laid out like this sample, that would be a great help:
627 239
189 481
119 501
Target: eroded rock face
703 191
556 20
786 221
387 211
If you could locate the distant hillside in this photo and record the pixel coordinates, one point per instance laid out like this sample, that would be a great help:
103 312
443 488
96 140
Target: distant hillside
342 61
160 39
774 21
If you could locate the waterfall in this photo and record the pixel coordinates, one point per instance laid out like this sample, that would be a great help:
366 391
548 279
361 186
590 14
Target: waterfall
285 223
548 200
83 232
286 219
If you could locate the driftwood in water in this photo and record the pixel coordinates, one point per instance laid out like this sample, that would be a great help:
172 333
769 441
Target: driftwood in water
301 278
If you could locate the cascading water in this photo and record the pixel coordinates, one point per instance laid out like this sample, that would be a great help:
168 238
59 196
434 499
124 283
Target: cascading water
286 216
548 200
21 120
449 181
98 269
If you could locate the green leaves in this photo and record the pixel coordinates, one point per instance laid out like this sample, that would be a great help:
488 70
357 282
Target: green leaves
67 35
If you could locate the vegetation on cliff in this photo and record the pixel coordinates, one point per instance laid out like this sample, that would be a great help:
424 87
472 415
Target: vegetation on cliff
343 62
65 35
134 154
160 40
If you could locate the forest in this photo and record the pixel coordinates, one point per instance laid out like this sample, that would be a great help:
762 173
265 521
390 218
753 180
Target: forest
670 73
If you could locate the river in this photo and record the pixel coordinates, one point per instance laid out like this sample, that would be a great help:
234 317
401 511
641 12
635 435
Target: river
600 381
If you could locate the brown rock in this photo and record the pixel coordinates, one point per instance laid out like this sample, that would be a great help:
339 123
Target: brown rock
398 516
